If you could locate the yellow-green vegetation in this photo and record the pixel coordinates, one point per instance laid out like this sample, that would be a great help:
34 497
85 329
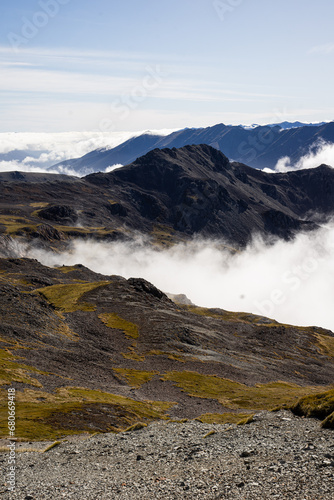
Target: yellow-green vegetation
21 447
170 355
164 236
87 231
177 357
210 433
53 445
39 204
155 352
64 329
112 320
66 269
235 395
235 317
326 344
133 355
246 420
10 371
136 427
13 278
67 297
13 224
49 416
135 378
320 405
222 418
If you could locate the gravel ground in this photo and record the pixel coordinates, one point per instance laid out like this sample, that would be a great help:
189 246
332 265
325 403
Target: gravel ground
276 456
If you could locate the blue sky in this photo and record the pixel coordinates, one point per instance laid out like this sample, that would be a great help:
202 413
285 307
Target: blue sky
129 65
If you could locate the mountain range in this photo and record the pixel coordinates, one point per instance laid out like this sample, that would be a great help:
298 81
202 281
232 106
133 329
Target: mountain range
259 147
170 194
92 353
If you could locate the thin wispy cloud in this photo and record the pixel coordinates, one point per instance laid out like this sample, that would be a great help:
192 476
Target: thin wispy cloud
327 48
173 85
217 69
85 84
60 82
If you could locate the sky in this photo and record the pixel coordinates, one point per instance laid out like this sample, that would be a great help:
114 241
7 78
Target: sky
110 66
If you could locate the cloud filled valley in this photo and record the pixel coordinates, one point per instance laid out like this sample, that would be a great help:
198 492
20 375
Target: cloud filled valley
37 152
291 282
321 153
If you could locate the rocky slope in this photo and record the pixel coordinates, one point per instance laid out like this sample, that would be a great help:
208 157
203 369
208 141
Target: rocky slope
170 194
88 352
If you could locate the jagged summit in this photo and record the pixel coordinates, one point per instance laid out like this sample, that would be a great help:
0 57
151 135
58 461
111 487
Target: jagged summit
178 192
160 167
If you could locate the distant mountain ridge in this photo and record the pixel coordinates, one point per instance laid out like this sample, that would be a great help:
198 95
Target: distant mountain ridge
171 194
259 147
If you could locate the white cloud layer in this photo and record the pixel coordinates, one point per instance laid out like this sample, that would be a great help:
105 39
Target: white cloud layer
291 282
326 48
51 148
323 154
24 166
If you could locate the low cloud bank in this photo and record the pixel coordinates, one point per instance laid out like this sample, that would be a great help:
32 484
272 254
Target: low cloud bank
322 153
291 282
46 149
15 165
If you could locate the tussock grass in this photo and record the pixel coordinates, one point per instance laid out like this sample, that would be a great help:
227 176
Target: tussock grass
235 395
66 269
39 204
132 355
170 355
136 427
326 344
246 420
320 405
65 330
86 231
135 378
66 298
48 419
222 418
53 445
14 224
112 320
210 433
164 236
177 357
234 317
10 371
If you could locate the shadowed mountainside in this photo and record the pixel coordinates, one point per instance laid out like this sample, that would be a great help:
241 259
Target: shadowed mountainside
171 194
88 352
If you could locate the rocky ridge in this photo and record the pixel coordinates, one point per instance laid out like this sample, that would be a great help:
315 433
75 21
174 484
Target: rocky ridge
170 195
